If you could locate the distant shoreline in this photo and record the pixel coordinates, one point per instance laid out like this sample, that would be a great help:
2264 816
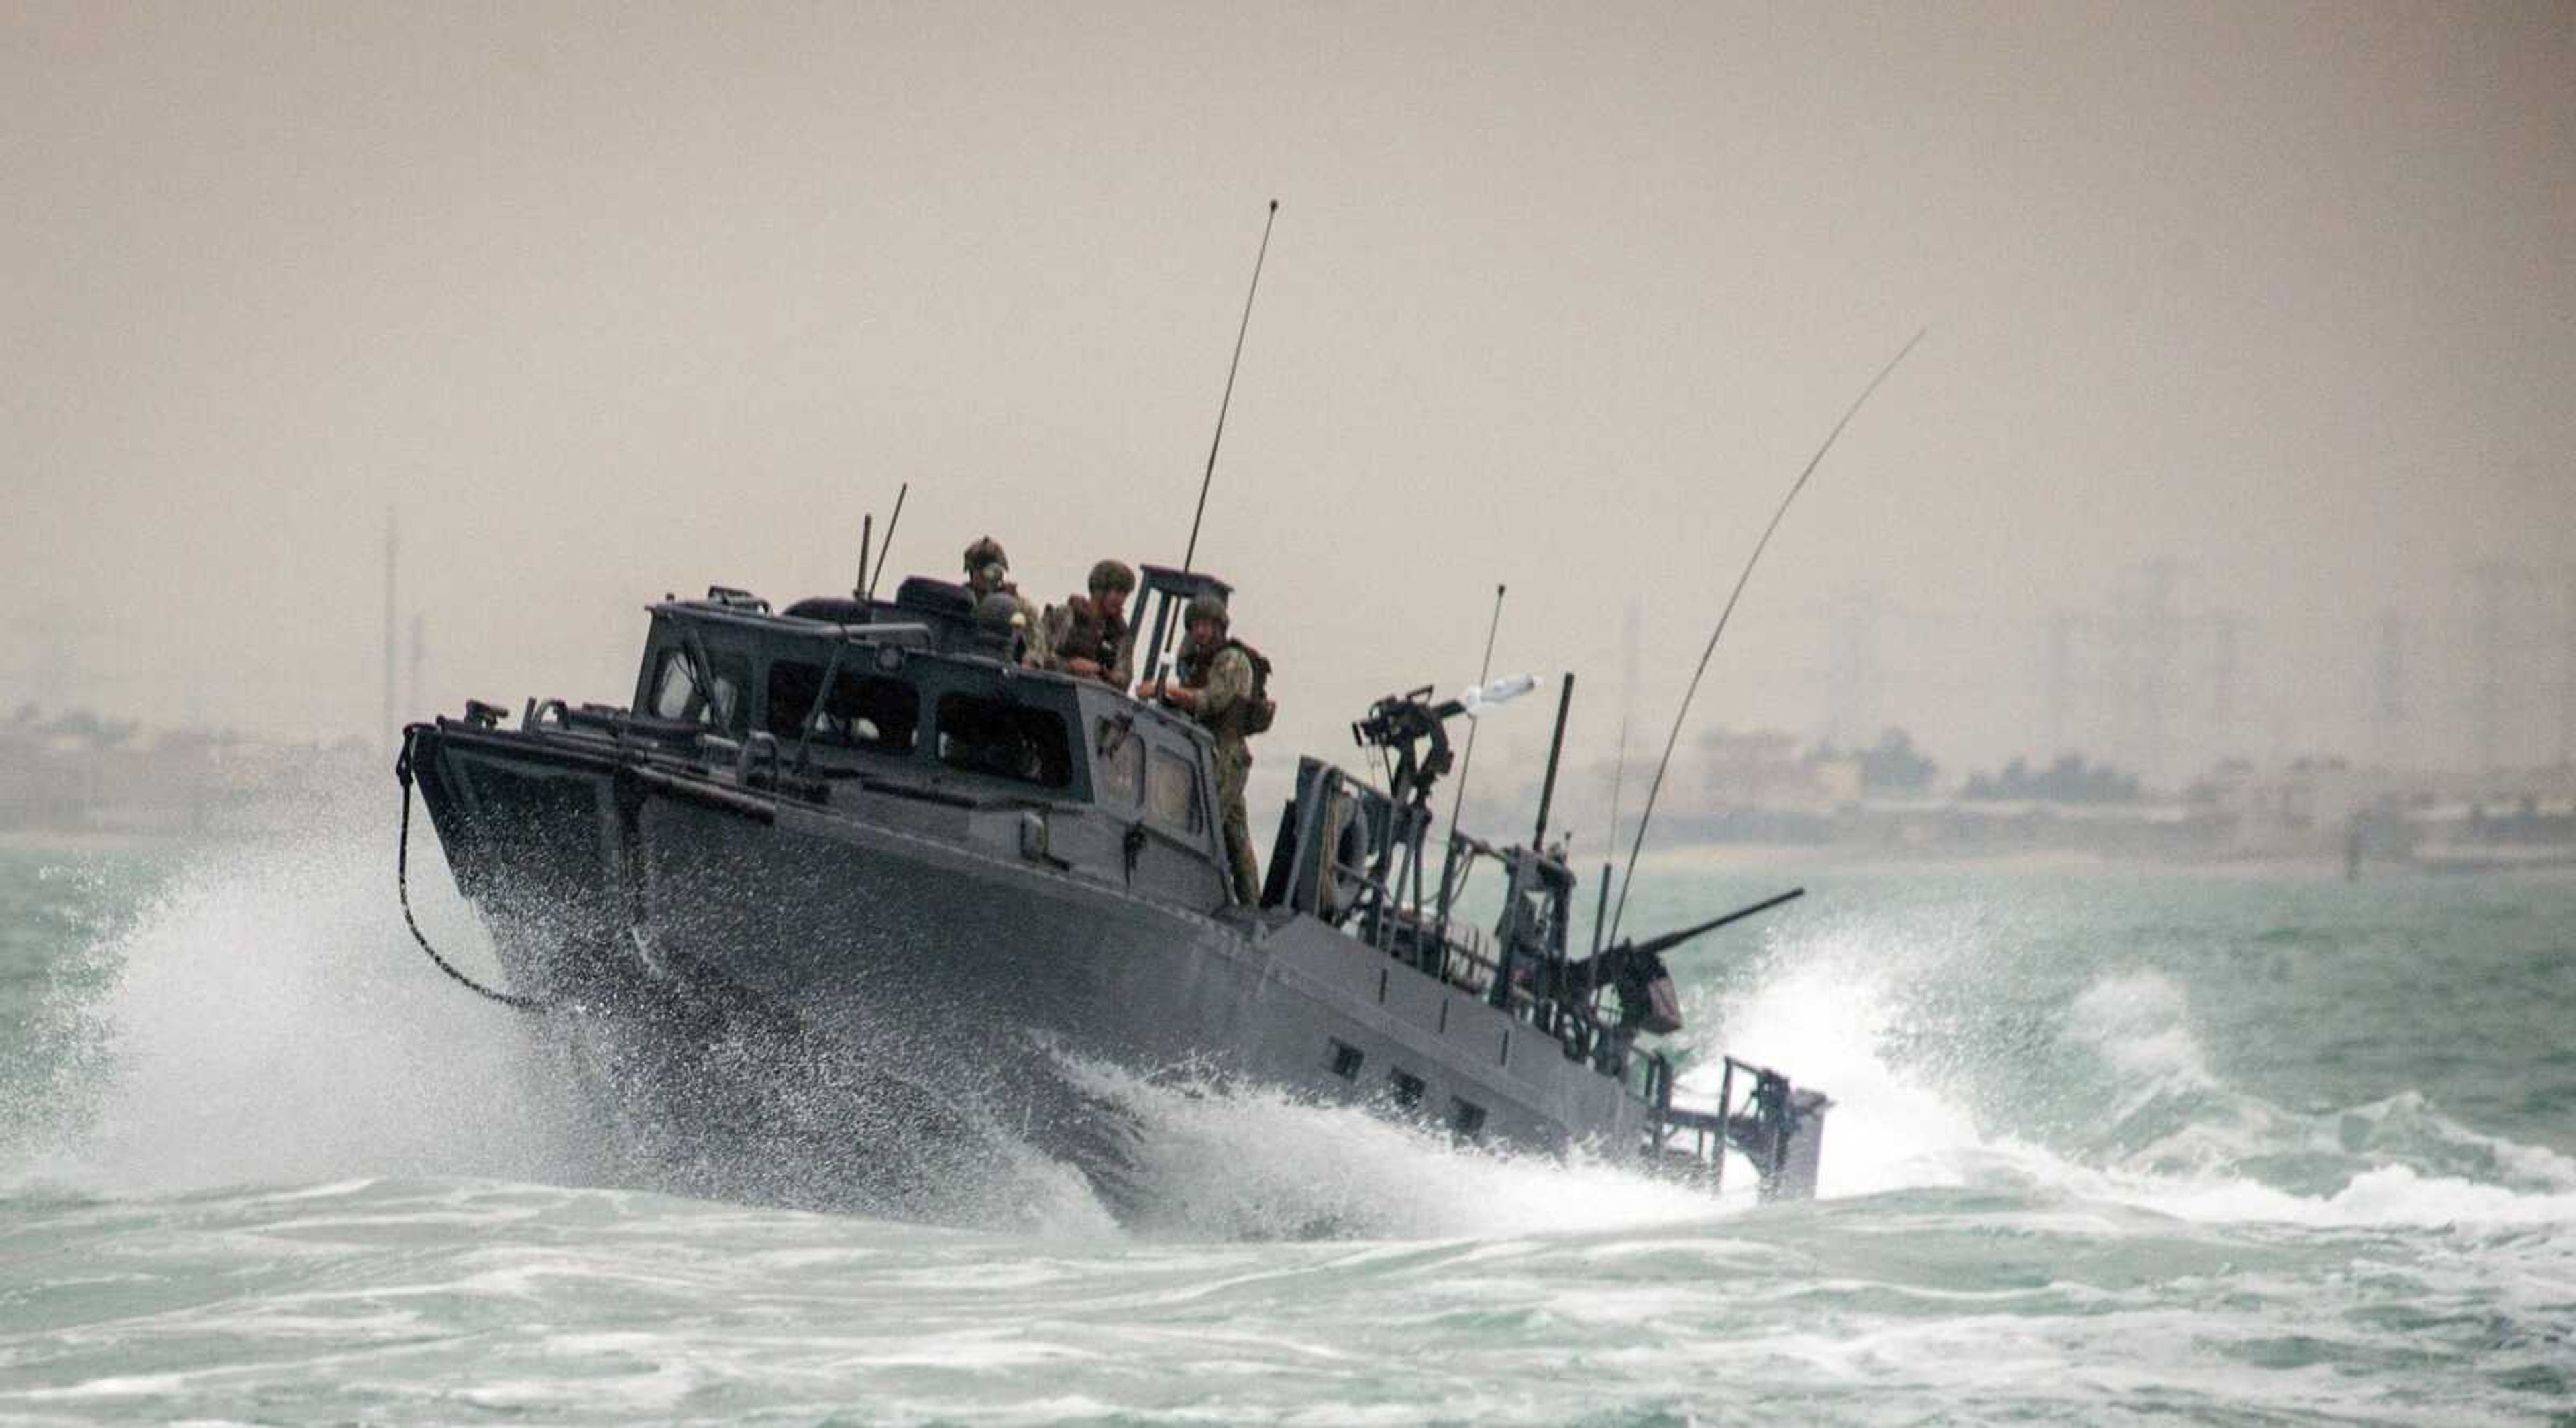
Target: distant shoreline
83 841
1768 857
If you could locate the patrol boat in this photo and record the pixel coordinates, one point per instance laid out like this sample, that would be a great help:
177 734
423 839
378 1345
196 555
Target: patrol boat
852 843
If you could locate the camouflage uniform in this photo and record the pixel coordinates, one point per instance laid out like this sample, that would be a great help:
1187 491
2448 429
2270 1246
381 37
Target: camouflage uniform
1224 684
1077 630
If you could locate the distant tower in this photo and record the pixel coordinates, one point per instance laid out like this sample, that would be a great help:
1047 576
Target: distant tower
1627 707
2490 589
392 713
419 653
58 671
1854 675
2151 654
2058 670
2388 688
2567 673
2226 648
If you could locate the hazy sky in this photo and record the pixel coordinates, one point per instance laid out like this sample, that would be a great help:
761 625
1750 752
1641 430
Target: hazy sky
616 300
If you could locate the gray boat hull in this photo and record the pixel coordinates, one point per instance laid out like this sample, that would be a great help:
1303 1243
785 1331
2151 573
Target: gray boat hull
819 1008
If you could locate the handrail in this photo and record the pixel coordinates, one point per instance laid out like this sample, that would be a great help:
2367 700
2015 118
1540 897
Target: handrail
883 633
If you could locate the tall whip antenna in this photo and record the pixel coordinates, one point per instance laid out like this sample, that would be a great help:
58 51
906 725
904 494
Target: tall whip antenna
1618 786
1657 787
1619 765
1484 672
1190 555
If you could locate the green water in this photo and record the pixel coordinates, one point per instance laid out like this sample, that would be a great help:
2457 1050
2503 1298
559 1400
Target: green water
2106 1148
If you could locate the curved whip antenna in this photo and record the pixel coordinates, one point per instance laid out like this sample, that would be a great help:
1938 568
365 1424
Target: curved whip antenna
1619 766
1484 674
1191 555
1661 766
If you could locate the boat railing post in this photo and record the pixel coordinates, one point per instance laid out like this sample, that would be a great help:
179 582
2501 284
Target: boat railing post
1660 1072
1509 932
1310 800
1725 1110
1555 754
822 702
1448 891
1162 630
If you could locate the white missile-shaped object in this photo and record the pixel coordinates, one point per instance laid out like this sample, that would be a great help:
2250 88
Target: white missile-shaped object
1474 701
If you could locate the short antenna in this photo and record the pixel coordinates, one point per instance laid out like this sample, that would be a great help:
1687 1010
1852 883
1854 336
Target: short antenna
1628 878
888 548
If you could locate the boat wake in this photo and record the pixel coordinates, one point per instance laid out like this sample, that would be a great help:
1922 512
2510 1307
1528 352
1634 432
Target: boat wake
1228 1161
262 1022
2107 1097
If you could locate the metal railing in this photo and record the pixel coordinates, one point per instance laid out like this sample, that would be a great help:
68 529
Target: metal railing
1759 1126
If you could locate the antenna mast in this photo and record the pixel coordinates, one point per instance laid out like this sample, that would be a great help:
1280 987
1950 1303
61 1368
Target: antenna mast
888 548
1484 673
1189 558
1190 555
1724 615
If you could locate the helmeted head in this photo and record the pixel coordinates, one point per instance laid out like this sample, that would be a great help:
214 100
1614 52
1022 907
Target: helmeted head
986 566
998 616
1206 619
1111 583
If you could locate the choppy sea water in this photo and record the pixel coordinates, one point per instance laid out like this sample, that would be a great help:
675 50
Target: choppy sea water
2108 1147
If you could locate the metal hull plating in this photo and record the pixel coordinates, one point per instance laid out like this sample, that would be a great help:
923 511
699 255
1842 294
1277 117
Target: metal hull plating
959 986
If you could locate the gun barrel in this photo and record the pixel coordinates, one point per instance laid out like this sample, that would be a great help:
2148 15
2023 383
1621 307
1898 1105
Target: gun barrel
1656 946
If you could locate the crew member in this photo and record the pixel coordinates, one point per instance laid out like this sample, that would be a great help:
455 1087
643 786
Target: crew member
1220 687
1002 627
987 569
1087 635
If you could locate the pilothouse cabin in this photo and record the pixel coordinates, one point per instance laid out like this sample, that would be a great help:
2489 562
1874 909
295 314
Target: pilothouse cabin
910 710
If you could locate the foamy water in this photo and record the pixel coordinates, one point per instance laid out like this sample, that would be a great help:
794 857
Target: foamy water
2083 1165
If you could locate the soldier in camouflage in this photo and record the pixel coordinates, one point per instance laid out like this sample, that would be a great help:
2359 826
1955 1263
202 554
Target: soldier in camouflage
1087 635
1216 687
988 569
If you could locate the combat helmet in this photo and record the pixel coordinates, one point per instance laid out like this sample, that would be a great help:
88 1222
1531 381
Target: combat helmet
1113 575
1207 605
1000 611
986 566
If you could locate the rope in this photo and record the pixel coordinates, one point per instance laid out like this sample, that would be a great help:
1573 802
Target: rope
402 886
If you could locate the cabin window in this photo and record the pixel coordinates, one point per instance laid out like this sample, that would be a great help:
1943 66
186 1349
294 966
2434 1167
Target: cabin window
999 739
1466 1117
865 711
715 700
1172 791
1118 768
1407 1088
1345 1059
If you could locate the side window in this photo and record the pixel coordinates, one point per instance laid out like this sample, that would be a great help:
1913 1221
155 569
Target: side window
865 711
1172 791
675 689
1119 765
1407 1089
1000 739
678 693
